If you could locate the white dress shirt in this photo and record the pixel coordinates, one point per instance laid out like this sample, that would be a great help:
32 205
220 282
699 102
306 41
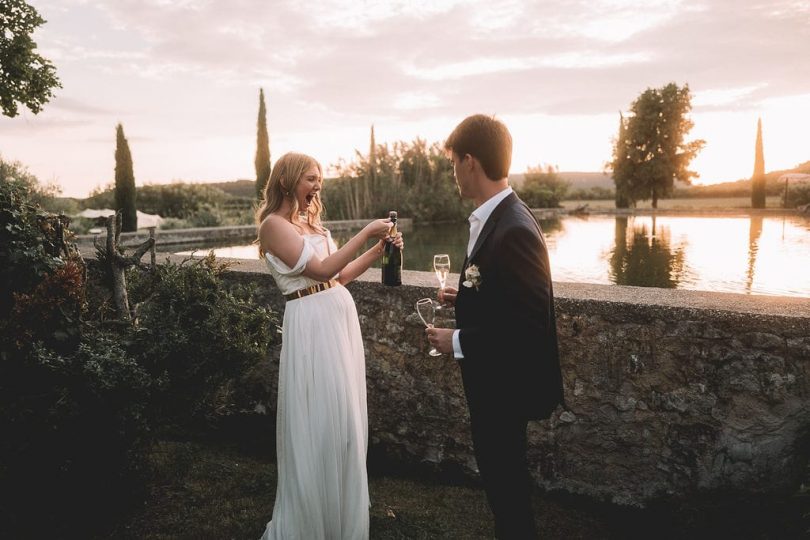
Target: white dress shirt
477 220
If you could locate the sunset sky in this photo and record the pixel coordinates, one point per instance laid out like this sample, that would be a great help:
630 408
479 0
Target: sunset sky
183 76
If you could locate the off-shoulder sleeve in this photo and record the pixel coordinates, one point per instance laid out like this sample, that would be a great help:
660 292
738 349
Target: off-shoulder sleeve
306 253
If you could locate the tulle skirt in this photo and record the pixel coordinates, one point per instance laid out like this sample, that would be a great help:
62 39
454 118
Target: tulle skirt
322 422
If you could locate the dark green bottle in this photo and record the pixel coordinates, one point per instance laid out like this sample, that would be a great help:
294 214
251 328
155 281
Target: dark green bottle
392 257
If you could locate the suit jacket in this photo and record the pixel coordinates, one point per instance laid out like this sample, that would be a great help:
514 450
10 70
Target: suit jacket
508 331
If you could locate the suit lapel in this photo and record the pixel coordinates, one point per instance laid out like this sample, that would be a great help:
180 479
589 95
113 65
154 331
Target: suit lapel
490 224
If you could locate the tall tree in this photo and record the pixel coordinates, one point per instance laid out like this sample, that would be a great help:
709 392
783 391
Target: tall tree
656 153
371 175
26 78
124 182
758 179
262 160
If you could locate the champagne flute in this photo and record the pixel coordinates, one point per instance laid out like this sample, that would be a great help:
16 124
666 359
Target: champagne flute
426 308
441 265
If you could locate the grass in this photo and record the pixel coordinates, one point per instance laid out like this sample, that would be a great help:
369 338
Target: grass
205 490
720 203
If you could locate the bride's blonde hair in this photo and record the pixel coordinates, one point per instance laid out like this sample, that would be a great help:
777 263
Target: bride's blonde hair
284 179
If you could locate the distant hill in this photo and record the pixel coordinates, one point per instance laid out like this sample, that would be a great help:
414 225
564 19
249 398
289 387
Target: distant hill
741 188
585 180
578 180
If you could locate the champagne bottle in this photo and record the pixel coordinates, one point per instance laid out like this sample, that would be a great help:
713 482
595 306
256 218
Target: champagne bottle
392 257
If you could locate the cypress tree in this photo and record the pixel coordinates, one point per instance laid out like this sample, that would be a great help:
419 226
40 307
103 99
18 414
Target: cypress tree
262 161
124 183
620 162
758 179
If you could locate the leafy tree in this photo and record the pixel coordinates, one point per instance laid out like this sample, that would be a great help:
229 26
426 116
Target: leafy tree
262 160
26 78
758 179
16 172
124 182
414 178
650 152
543 188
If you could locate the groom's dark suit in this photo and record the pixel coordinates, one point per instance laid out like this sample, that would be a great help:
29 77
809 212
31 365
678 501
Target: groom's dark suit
510 369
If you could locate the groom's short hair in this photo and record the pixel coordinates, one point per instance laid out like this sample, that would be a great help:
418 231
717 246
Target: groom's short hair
486 139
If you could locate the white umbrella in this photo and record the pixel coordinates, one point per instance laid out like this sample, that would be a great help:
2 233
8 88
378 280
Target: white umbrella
148 220
95 212
144 220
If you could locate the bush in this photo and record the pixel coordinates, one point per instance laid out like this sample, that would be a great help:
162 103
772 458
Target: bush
176 200
543 189
798 195
193 335
81 395
70 398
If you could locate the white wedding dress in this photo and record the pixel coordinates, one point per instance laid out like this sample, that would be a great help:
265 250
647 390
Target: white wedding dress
322 423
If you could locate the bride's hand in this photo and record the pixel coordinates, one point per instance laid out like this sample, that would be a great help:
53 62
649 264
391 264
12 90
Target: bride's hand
398 241
377 229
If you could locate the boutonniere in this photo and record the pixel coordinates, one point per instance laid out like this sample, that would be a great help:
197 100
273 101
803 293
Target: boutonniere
473 277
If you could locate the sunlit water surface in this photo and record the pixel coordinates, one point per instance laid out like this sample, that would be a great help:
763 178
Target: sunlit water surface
751 255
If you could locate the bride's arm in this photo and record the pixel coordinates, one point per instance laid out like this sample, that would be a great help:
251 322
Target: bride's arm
279 237
364 261
361 263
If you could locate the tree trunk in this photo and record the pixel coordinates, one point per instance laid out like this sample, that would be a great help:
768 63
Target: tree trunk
118 264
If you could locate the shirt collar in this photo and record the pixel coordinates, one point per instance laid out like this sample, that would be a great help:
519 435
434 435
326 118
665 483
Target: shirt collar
482 212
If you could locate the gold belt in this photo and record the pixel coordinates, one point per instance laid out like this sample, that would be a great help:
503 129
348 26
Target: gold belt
306 291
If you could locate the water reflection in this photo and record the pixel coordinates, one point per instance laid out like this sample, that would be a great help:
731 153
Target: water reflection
754 255
645 258
754 232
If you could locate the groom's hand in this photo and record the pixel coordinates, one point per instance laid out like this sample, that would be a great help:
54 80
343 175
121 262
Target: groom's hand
441 339
447 296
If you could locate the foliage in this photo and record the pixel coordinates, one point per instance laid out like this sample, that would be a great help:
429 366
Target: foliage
543 188
26 257
594 193
193 334
262 159
26 78
798 195
650 152
80 395
125 193
16 172
413 178
181 200
70 399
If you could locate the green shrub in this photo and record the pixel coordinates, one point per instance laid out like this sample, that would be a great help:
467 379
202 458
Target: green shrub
193 334
543 189
176 200
71 400
798 195
205 216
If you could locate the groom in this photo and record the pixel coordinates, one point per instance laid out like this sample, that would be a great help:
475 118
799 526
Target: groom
505 339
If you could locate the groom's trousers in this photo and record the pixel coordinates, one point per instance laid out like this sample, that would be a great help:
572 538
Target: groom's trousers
500 450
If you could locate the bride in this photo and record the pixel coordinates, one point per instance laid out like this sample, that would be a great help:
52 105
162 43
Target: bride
322 425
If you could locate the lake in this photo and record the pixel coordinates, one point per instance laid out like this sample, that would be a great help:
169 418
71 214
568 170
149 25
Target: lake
746 254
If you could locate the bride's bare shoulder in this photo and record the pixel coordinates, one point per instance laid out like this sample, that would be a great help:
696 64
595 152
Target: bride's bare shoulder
275 223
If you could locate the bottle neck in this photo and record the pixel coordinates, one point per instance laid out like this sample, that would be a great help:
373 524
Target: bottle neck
392 232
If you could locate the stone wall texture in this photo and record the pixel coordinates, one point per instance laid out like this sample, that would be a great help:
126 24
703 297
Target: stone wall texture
669 393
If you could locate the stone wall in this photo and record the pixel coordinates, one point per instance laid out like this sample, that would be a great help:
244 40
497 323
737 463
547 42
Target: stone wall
669 393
